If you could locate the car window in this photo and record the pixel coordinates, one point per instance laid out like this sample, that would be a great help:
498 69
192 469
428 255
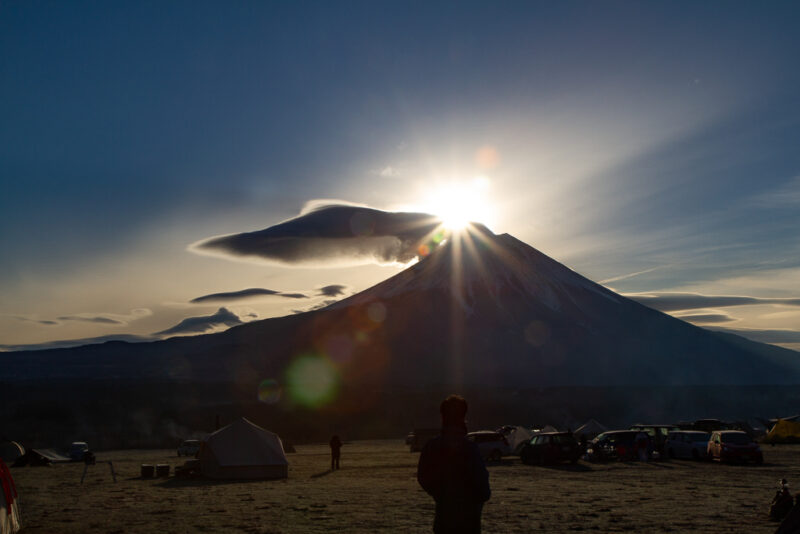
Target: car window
736 438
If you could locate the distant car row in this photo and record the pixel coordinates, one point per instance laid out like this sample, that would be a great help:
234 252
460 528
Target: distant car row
639 442
720 445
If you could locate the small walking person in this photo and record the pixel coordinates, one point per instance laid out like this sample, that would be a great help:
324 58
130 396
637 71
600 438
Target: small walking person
336 447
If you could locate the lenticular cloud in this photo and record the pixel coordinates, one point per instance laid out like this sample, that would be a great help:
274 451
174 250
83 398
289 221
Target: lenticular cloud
331 235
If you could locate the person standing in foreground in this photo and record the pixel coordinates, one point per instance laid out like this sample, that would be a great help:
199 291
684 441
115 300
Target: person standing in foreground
451 471
336 447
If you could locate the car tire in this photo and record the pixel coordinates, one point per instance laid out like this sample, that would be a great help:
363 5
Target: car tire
671 453
695 454
495 456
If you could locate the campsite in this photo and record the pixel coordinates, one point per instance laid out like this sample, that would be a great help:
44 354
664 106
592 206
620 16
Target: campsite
376 491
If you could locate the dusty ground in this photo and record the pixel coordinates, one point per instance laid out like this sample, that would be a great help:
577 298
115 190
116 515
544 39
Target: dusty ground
376 491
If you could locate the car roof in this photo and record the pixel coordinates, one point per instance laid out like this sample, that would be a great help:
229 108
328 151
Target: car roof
730 432
552 434
484 433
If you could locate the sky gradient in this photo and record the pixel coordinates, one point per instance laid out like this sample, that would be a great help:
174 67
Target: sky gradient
652 147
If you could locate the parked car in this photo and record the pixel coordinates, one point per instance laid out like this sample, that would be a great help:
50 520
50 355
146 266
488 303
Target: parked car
617 445
189 447
551 447
687 444
493 445
733 446
77 450
658 436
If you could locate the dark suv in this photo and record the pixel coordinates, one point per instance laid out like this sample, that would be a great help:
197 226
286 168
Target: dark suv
551 448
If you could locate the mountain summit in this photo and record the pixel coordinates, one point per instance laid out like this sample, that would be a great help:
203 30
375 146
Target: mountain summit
480 310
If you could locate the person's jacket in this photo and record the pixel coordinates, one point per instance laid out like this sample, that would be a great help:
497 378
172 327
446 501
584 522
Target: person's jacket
451 470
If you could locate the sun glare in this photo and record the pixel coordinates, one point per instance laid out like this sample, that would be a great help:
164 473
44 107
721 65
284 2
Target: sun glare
459 203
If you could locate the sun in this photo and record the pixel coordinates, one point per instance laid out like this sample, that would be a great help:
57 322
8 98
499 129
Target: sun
457 204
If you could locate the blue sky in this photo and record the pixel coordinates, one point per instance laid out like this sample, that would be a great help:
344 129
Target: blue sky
649 146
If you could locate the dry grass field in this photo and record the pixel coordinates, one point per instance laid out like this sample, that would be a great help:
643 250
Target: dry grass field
376 491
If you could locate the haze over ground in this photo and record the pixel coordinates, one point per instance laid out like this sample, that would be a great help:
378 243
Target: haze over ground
649 147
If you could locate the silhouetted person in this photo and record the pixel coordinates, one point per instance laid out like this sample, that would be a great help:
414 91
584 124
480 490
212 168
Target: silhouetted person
451 470
782 502
336 448
791 523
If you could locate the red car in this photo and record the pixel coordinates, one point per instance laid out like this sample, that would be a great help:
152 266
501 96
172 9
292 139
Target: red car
733 446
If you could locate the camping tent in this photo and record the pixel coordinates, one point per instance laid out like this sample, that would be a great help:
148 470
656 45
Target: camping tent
243 450
590 429
784 432
9 503
517 436
10 451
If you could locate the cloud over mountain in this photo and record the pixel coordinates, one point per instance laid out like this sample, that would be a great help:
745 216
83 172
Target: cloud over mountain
195 325
330 235
245 294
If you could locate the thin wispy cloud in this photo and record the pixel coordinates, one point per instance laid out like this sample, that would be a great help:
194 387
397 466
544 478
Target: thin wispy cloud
389 172
330 236
630 275
763 336
786 195
67 343
667 302
96 320
43 322
707 318
111 319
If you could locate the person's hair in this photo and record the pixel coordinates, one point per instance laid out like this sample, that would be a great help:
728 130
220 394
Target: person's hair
453 410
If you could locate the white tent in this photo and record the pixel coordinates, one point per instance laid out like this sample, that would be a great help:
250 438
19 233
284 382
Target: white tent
590 429
243 450
9 503
518 436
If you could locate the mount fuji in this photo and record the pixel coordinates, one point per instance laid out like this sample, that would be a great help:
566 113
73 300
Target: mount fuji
481 309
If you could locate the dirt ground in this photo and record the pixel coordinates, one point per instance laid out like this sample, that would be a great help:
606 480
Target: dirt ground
376 491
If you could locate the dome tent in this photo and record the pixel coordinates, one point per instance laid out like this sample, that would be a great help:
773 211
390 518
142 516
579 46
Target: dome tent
784 431
243 450
590 429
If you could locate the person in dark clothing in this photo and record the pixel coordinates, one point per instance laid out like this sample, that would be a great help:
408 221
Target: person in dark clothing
782 502
336 447
451 471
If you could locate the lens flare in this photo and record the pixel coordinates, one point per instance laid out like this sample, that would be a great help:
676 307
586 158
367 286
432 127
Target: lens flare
269 391
312 380
339 347
376 312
